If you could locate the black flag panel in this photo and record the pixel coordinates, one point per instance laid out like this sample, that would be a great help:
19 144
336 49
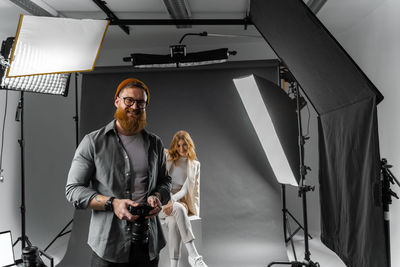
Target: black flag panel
351 224
328 75
345 100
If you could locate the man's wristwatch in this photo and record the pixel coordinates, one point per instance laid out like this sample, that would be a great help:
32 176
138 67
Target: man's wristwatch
108 205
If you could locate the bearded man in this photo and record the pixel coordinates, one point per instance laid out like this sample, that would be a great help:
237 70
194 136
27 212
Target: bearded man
118 167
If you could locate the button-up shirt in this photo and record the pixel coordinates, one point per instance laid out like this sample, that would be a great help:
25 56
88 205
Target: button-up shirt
102 166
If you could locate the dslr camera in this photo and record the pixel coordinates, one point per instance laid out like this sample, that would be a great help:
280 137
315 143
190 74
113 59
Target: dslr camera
142 210
140 227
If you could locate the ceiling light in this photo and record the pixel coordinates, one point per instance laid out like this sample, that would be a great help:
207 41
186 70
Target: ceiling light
36 7
178 9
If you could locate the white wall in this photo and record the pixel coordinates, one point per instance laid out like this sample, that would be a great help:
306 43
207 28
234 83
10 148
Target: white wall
10 188
374 43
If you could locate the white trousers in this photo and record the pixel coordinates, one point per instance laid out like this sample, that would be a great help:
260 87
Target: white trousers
179 229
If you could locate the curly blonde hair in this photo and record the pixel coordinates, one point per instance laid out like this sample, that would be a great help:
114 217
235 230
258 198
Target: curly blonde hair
173 148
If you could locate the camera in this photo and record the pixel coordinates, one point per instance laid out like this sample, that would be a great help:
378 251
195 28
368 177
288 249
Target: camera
142 209
140 227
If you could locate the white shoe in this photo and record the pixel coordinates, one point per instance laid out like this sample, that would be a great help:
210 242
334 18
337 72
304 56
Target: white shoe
197 262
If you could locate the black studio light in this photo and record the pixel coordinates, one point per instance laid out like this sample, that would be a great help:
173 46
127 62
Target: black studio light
179 58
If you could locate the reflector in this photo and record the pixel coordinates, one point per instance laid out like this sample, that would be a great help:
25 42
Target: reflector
55 45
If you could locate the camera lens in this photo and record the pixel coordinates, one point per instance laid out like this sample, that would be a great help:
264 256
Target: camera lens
140 230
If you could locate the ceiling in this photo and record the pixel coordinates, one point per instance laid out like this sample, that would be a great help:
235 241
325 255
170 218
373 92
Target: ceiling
337 15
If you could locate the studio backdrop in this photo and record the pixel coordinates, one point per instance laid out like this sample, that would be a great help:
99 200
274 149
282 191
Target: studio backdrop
239 196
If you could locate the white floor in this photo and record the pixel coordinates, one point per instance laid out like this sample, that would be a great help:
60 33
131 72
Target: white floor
319 252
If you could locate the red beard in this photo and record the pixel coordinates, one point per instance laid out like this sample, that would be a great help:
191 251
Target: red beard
131 124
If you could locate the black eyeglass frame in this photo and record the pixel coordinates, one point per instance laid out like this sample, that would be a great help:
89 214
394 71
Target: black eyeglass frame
140 103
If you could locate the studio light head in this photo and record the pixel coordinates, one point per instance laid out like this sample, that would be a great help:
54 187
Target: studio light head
46 45
179 58
56 84
273 116
46 50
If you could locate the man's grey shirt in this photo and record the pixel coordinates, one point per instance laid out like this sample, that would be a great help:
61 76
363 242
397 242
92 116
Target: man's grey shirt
101 166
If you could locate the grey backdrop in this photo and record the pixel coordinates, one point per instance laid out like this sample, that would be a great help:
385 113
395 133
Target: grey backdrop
240 199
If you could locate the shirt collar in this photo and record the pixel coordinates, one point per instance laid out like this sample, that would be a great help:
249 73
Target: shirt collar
111 127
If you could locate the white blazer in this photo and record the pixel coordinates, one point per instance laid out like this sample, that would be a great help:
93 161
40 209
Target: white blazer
192 197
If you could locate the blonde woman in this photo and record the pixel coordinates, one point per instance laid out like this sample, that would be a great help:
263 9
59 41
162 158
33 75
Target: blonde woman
184 169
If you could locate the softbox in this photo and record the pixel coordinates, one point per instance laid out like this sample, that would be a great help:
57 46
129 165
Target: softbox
273 115
46 45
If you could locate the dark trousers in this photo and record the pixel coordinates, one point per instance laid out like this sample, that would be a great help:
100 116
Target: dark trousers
139 257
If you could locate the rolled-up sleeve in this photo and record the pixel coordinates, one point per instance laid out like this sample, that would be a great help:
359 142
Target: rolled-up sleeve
77 189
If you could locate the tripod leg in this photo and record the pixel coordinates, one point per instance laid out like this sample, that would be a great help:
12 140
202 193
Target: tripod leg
28 241
61 233
291 239
282 263
298 223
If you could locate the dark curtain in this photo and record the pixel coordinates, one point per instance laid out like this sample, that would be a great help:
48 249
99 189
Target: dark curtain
345 99
351 224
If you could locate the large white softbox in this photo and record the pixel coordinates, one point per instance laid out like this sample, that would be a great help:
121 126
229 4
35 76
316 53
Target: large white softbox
273 116
46 45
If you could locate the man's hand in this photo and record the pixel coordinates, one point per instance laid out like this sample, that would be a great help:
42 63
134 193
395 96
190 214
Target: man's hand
155 203
121 209
168 208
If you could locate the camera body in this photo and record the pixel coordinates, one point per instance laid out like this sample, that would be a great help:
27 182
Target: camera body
141 210
140 227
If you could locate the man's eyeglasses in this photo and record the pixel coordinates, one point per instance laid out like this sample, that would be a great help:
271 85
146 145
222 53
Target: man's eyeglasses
129 101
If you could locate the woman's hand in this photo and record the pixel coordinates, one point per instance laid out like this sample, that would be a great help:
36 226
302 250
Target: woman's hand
167 209
155 203
184 205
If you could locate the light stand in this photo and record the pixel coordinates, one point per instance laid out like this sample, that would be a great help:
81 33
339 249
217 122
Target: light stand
286 223
27 67
51 83
303 189
285 75
19 116
24 238
387 194
76 119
